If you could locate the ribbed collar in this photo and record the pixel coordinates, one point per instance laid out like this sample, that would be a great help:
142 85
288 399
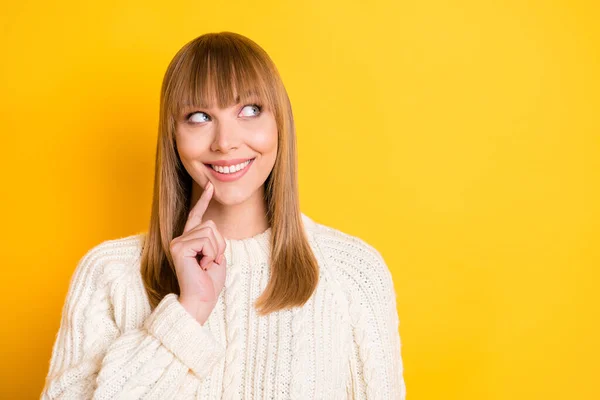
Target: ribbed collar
255 249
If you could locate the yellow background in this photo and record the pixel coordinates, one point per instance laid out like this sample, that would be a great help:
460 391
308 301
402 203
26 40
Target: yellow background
459 138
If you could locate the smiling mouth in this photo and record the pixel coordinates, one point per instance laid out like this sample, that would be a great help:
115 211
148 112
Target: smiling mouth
230 169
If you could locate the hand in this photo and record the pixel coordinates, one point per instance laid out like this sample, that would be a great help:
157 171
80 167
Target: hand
200 265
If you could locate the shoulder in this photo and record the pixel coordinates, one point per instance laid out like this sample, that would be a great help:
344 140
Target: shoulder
122 247
343 247
95 309
106 260
352 259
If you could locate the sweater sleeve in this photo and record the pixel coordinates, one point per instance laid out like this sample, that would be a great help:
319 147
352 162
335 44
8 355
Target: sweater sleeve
93 357
376 362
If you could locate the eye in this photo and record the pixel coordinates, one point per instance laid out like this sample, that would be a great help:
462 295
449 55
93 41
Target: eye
203 117
251 110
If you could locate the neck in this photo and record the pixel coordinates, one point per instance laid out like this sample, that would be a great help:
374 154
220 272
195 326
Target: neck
235 221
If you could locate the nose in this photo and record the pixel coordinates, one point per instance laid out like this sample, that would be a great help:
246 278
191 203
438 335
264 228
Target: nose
225 136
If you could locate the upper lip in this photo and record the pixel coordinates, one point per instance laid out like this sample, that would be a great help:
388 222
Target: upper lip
225 163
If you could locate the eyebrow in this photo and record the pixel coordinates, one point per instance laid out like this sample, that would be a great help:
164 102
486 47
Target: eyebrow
236 100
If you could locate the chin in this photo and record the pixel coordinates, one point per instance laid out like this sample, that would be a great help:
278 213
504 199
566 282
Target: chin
230 197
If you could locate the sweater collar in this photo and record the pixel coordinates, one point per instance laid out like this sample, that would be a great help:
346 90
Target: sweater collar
255 249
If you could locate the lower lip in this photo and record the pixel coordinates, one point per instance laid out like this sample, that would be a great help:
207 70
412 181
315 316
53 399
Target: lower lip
230 177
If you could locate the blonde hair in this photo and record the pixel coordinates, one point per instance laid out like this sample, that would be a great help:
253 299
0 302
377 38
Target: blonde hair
214 66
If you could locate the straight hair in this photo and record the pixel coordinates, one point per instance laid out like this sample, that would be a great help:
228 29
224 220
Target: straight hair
210 69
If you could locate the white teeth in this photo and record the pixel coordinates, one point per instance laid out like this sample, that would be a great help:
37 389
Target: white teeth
230 169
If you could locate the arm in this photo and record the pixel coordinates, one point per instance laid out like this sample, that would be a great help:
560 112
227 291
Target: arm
92 358
376 363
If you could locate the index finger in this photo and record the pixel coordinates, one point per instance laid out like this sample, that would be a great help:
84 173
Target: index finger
197 212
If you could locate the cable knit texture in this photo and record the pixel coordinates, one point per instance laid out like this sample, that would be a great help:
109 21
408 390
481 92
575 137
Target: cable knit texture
343 343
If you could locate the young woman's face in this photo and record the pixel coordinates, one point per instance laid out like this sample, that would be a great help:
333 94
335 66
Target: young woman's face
232 135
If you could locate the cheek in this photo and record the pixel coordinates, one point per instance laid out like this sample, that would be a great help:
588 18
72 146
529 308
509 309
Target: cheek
265 140
188 147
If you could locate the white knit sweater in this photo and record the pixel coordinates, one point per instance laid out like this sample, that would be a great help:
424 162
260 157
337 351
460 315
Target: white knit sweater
342 344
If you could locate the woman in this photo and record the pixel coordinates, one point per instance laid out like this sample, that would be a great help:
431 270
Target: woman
233 292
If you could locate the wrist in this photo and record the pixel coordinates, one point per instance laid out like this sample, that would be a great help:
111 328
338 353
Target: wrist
200 310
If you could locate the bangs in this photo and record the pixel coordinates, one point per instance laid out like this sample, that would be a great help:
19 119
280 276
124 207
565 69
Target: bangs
219 71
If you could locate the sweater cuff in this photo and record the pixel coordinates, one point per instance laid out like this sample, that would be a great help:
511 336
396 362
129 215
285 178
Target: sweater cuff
186 338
